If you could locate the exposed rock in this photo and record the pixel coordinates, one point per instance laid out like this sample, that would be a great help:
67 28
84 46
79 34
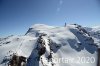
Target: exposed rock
17 61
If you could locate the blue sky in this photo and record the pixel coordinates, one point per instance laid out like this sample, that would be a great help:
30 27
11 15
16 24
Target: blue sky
16 16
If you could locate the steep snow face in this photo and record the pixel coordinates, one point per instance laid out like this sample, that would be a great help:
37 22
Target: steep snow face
45 45
95 33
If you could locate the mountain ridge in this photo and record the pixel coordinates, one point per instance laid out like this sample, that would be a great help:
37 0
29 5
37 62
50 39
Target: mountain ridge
70 41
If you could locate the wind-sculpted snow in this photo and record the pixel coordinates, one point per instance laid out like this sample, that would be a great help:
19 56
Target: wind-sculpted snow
95 33
45 45
85 40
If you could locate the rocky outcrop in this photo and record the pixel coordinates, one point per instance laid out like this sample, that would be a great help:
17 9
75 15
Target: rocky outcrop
17 61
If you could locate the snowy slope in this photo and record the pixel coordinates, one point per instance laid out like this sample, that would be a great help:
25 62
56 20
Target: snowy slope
45 45
95 33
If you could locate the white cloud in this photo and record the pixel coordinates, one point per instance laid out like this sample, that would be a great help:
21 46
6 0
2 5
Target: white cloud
59 6
61 2
58 9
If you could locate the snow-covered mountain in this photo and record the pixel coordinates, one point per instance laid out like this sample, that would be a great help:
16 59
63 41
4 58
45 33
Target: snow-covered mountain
95 33
43 45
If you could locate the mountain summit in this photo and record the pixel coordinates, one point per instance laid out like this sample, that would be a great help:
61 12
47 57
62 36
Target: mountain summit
43 45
